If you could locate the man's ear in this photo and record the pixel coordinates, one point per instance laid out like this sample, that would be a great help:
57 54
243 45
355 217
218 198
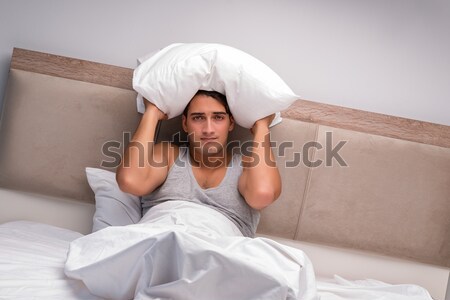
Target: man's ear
231 123
183 123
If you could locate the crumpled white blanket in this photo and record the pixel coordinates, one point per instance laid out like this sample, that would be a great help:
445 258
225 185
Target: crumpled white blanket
183 250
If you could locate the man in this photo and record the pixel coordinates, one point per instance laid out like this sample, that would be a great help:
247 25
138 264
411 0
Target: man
201 200
205 172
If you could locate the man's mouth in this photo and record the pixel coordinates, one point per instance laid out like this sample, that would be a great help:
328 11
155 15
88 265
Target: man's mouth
208 139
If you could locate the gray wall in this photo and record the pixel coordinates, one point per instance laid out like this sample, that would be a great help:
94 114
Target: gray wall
387 56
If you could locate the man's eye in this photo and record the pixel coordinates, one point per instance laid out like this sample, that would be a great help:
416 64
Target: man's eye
197 118
219 117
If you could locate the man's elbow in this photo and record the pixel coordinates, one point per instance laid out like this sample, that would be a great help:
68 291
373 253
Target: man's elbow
263 197
129 185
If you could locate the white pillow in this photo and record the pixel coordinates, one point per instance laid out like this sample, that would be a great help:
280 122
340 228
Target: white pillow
112 206
170 78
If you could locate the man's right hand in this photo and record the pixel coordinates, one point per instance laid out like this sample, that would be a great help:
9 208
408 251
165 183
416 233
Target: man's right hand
153 109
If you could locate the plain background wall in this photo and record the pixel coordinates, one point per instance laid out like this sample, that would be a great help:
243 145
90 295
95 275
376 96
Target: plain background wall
387 56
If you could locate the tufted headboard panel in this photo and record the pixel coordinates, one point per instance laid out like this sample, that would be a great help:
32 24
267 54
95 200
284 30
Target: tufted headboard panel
59 118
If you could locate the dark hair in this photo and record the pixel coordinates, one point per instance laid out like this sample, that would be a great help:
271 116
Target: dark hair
213 94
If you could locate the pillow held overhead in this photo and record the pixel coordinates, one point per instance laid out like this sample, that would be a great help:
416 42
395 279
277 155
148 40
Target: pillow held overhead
170 78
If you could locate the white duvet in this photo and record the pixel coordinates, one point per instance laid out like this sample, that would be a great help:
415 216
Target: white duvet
185 252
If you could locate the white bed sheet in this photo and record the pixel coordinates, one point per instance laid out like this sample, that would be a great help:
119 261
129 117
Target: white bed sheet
33 256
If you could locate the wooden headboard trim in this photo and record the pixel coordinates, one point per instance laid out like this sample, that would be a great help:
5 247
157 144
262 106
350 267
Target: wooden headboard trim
303 110
72 68
369 122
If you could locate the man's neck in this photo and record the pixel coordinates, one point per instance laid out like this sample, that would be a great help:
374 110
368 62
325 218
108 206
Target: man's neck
212 161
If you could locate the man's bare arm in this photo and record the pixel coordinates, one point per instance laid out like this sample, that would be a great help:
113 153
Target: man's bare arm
144 165
260 182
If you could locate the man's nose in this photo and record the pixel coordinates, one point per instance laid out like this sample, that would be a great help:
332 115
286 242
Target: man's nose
208 126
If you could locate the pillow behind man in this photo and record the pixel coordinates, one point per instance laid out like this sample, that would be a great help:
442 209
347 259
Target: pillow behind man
170 78
112 206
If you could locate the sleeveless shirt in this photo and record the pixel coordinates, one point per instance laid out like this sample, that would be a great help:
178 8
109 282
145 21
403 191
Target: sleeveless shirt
181 184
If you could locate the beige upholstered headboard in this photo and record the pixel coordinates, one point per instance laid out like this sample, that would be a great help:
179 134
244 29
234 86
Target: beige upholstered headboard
351 179
58 113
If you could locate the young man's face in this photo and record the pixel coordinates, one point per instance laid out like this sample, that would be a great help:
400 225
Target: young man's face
207 125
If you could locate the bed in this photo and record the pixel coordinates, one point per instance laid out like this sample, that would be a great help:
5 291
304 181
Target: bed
379 229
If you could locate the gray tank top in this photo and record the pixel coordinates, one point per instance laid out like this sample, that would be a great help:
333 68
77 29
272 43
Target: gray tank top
181 184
